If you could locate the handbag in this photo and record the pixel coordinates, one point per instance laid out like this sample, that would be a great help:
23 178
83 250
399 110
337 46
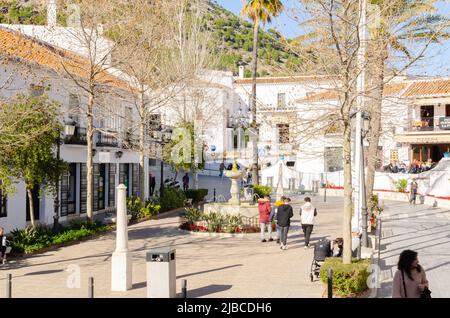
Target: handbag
426 293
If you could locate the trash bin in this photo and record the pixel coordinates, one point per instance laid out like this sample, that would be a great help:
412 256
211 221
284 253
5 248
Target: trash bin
161 273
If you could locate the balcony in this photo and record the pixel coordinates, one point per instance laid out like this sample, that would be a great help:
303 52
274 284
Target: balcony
105 140
429 124
78 138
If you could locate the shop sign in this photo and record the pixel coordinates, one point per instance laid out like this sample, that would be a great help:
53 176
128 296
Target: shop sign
444 123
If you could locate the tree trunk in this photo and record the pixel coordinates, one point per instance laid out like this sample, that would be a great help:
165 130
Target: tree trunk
347 218
255 178
141 147
89 161
375 120
30 202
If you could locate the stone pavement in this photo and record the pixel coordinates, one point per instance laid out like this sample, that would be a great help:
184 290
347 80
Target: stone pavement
212 266
423 229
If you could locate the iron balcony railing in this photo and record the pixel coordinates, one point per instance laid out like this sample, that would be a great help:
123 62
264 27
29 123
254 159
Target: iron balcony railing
78 138
105 140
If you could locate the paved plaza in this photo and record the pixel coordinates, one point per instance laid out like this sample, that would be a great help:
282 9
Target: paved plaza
235 267
423 229
212 266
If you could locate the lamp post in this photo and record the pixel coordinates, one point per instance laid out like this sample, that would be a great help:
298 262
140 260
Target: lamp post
364 130
162 138
69 130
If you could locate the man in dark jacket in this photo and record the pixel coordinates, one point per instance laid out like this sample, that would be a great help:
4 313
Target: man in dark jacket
284 215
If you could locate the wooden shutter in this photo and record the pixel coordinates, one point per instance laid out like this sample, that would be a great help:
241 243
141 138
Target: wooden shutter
135 179
64 194
112 184
95 192
83 188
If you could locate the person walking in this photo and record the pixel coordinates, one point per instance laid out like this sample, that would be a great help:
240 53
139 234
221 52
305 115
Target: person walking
2 246
284 215
413 191
186 182
273 216
265 211
307 214
152 184
410 280
221 169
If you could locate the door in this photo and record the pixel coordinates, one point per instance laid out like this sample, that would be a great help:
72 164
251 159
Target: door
101 186
447 110
427 117
36 204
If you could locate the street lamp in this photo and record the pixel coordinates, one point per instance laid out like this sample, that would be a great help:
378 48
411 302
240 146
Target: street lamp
364 130
162 137
69 130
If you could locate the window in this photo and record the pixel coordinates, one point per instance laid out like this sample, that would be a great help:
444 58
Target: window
36 90
447 110
281 100
101 186
71 188
154 124
74 105
333 159
270 181
3 205
283 133
36 203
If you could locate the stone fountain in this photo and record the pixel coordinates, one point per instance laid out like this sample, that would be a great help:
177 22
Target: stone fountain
235 205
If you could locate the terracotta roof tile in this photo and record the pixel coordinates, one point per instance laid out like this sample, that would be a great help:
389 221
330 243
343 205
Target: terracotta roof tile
428 88
16 45
287 79
330 95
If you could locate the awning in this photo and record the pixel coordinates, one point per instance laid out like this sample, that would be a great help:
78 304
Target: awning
423 139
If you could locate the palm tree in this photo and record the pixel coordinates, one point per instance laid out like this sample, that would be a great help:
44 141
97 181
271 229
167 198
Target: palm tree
259 11
401 22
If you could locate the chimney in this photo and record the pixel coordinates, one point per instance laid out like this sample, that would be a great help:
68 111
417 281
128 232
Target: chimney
241 71
51 13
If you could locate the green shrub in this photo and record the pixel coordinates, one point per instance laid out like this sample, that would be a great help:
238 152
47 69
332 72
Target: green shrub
348 279
30 240
134 206
261 190
193 215
173 198
232 223
150 209
214 221
401 185
196 195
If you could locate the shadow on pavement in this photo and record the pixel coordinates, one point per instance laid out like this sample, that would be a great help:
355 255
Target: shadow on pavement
208 271
51 271
207 290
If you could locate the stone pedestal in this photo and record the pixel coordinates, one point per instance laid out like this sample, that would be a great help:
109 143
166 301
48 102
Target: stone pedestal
235 192
121 271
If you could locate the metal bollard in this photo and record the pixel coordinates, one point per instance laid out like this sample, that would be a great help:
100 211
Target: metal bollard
91 287
8 286
214 194
184 288
330 283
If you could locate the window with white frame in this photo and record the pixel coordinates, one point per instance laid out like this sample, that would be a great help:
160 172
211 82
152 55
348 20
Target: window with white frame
74 107
283 133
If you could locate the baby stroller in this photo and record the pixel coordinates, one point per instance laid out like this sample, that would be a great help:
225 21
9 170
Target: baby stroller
322 250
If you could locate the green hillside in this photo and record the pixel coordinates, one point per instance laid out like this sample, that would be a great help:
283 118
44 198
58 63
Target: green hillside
231 37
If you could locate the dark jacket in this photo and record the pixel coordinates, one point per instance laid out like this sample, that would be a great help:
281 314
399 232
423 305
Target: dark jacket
284 214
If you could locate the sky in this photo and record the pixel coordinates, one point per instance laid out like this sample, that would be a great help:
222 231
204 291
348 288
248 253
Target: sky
437 57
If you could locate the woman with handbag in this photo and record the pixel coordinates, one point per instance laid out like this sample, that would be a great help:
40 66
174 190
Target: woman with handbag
410 280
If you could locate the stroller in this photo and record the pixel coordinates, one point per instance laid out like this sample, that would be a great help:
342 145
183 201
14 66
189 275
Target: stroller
322 250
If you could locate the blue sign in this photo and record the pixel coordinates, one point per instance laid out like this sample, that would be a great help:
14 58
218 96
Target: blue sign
213 148
281 157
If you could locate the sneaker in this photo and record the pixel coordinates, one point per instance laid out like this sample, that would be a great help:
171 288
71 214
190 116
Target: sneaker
271 239
278 241
281 247
284 247
264 240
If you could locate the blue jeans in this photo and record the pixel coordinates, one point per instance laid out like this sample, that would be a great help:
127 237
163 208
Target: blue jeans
284 233
269 229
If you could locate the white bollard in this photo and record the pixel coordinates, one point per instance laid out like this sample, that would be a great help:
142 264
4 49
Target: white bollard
121 278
